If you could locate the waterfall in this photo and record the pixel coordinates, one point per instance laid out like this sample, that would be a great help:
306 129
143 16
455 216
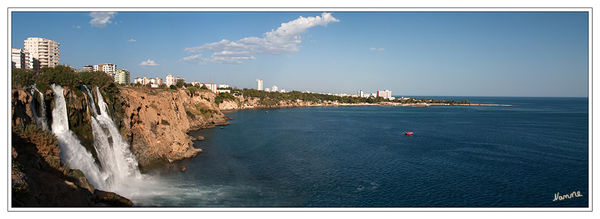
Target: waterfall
118 163
41 120
125 159
93 105
71 150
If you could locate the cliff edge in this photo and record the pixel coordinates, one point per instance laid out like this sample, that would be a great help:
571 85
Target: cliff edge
156 122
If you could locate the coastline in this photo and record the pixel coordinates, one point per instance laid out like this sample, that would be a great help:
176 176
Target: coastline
248 107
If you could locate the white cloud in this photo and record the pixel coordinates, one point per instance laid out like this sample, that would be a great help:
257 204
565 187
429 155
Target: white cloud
132 40
148 63
283 40
377 49
77 26
101 19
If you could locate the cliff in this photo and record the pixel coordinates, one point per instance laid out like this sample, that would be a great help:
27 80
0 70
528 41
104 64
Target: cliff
156 122
37 176
240 102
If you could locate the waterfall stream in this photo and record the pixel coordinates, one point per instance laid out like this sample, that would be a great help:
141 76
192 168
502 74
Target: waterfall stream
40 120
118 163
118 171
71 150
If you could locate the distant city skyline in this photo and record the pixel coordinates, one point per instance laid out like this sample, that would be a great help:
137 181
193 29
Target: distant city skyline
409 53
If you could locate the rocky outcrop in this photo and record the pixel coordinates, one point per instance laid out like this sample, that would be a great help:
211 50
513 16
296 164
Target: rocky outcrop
37 181
229 105
241 102
21 108
156 122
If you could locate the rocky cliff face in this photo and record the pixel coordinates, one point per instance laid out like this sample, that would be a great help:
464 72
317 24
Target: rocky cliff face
37 176
156 122
256 103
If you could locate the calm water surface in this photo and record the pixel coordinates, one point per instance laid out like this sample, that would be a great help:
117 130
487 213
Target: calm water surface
516 156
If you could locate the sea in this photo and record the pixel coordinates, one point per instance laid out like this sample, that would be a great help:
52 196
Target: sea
359 156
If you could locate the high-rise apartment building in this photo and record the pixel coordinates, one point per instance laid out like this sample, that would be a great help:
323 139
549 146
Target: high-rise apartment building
43 52
122 76
259 84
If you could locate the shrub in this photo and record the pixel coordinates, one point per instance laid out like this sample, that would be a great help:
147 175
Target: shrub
224 96
22 77
45 142
190 114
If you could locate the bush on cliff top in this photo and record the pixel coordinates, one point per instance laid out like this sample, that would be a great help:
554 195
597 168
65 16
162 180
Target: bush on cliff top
62 75
224 96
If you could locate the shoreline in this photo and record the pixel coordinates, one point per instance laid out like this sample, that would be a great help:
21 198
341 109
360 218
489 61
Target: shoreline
365 104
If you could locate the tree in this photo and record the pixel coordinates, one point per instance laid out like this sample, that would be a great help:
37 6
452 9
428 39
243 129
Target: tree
180 83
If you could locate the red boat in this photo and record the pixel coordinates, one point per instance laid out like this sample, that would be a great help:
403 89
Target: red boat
409 133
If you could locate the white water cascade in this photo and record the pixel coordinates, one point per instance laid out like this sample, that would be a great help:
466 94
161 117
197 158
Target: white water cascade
118 163
91 99
40 120
71 150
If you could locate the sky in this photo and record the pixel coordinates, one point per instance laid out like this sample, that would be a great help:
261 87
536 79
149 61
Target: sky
410 53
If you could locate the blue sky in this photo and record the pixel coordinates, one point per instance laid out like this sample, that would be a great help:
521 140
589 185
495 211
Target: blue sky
410 53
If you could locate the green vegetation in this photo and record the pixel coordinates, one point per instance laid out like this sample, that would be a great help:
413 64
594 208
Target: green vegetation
425 100
44 141
63 75
273 98
180 83
224 96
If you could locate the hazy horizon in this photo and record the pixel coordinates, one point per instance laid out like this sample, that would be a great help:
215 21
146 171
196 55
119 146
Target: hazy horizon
505 54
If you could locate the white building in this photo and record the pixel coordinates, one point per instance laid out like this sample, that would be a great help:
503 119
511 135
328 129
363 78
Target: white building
122 76
95 67
170 80
360 93
108 68
223 86
259 84
17 58
88 68
158 81
212 87
20 58
145 80
138 80
44 52
274 88
386 94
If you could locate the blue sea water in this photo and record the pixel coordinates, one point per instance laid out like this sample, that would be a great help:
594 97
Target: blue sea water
459 156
